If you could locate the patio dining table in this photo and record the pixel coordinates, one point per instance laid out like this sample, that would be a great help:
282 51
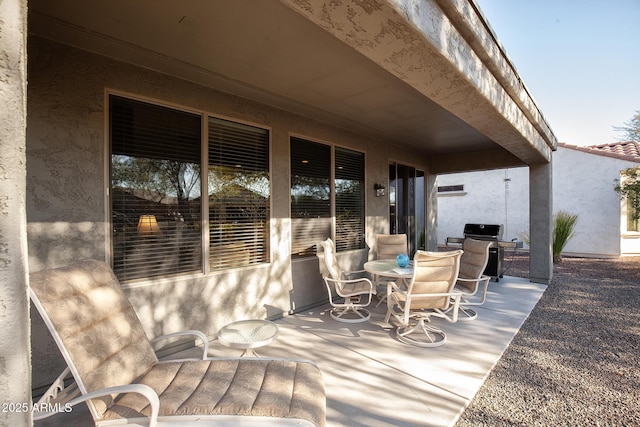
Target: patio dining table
388 268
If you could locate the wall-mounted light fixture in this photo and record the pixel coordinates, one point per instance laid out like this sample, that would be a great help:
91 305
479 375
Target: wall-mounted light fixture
148 226
379 190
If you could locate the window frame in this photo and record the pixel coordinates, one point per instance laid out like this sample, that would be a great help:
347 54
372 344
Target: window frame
632 226
205 244
332 195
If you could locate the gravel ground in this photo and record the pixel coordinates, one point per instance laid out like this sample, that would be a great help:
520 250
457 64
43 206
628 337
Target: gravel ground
575 360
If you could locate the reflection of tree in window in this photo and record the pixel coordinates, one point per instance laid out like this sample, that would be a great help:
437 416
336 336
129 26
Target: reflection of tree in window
239 190
349 185
310 195
311 198
156 175
158 180
155 172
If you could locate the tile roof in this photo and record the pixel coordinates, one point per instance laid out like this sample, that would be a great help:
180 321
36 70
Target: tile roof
628 150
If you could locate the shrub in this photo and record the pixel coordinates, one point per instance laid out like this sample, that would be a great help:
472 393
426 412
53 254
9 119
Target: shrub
564 224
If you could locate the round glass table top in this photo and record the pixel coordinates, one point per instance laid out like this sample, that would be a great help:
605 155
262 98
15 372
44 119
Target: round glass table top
248 333
388 267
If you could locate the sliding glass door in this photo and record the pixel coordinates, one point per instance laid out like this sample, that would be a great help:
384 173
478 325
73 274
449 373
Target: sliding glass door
407 204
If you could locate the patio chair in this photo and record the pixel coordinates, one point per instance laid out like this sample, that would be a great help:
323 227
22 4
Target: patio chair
388 246
119 377
356 293
471 277
430 294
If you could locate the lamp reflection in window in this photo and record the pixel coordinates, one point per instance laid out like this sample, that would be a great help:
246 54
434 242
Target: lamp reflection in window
148 226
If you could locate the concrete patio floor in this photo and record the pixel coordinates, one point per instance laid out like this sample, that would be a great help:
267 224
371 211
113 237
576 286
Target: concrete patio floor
372 379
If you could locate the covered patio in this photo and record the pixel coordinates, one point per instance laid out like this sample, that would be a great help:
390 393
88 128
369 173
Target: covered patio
372 379
418 87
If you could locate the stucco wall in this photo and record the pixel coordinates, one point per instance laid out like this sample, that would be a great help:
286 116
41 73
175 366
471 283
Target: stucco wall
489 197
67 181
582 183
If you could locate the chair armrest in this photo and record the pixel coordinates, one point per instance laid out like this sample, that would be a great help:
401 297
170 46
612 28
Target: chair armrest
348 274
189 332
339 283
456 298
142 389
362 279
441 294
481 278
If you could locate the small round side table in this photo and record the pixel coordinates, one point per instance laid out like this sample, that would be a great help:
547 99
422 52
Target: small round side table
247 335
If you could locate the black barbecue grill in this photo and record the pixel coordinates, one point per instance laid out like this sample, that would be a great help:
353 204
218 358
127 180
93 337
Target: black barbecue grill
492 232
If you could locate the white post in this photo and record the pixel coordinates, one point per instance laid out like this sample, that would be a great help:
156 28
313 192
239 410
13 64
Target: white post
540 222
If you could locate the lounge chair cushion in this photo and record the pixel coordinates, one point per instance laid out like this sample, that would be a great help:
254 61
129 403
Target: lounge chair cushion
252 387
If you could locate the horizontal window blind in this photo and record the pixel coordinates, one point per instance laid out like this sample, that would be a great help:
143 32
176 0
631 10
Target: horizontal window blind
139 129
155 189
349 185
239 192
310 195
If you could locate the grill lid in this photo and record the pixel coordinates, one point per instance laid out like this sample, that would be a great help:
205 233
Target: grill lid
483 230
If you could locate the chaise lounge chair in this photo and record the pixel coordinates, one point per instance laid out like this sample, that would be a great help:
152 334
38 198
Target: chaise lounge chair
118 375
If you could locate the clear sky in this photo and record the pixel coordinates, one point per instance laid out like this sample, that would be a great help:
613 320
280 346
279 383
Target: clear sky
580 60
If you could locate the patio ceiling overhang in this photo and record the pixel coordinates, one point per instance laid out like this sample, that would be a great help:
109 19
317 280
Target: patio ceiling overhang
423 74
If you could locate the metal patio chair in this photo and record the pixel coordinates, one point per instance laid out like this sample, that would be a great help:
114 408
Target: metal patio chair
430 294
356 293
471 278
388 246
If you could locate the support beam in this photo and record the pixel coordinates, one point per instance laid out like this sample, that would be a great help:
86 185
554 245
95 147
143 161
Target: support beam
15 351
541 222
473 161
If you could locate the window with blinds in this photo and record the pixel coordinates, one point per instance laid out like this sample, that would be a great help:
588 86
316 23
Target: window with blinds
349 199
312 199
239 189
155 189
156 186
310 195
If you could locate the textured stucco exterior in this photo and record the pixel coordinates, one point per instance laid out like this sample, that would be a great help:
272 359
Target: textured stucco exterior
582 184
67 201
15 355
489 197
